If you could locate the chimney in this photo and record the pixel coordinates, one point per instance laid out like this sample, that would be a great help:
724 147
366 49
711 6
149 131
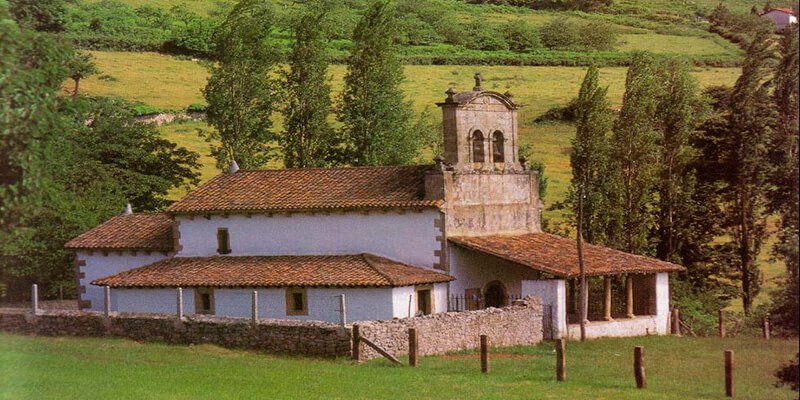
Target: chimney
128 209
234 166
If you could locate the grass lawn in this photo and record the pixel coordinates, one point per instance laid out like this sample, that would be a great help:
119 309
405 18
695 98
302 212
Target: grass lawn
66 368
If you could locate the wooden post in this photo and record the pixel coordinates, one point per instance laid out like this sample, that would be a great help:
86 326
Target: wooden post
629 296
342 310
730 385
561 361
413 348
721 323
34 298
254 308
638 367
484 354
61 293
106 301
765 328
607 302
410 300
584 314
676 322
180 304
356 343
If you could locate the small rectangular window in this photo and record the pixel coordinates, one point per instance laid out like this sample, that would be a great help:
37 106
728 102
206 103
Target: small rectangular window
296 301
223 241
204 301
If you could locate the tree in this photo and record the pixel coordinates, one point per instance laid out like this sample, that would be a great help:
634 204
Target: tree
678 117
308 139
40 15
79 67
373 112
240 92
634 157
589 155
785 193
746 164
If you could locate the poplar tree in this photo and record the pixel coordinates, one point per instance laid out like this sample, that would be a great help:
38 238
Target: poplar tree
746 167
308 139
634 156
240 92
785 196
589 155
376 119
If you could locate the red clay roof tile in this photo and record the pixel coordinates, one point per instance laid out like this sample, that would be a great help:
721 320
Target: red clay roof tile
128 232
274 271
308 190
558 256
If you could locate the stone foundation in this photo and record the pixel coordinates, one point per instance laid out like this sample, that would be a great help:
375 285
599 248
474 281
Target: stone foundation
279 336
517 325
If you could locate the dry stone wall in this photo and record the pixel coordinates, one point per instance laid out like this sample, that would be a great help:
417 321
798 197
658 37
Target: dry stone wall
281 336
517 325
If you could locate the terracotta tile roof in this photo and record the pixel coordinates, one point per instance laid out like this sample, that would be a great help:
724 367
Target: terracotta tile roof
274 271
129 232
308 190
558 256
785 10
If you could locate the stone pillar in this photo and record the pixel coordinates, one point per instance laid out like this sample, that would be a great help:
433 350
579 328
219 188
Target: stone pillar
180 304
629 296
254 305
342 310
607 303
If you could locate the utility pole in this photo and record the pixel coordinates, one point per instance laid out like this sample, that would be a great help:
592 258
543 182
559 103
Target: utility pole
584 289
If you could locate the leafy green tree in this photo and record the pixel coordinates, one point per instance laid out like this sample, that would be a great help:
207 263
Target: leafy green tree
308 140
589 156
373 112
40 15
746 164
634 157
785 193
521 36
80 67
240 92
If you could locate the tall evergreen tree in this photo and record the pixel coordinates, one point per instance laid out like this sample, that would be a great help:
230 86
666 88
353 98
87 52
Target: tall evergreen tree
634 157
240 92
678 118
589 156
376 118
308 139
785 195
746 164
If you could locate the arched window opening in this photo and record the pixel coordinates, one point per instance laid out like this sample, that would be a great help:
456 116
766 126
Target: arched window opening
498 147
477 147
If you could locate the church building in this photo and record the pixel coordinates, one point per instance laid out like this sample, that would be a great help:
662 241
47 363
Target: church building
396 241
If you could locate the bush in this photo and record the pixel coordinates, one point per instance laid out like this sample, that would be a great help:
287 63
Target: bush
566 34
562 113
521 37
560 34
480 36
196 108
144 110
789 374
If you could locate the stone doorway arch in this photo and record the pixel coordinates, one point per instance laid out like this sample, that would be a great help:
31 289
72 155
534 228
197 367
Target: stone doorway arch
495 295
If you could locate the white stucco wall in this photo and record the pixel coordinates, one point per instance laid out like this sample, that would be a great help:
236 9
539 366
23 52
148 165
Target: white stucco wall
363 304
99 266
473 269
553 293
780 18
662 302
164 301
409 237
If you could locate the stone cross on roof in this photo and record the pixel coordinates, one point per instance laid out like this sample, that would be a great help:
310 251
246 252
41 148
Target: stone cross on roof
478 80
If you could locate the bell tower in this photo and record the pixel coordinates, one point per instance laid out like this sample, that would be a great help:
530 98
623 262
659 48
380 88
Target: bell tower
480 129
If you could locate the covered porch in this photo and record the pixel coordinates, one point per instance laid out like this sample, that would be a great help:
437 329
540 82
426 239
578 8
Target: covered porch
628 294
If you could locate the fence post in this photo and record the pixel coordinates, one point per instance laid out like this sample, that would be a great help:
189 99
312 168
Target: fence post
356 343
730 385
254 305
561 361
107 301
638 367
180 304
765 328
343 310
34 298
721 323
410 300
485 354
413 348
676 322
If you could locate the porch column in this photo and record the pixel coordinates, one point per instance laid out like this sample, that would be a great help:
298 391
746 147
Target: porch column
629 296
607 304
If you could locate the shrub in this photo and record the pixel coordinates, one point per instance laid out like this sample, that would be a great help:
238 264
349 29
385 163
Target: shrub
560 113
196 108
560 34
521 37
480 36
144 110
567 34
789 374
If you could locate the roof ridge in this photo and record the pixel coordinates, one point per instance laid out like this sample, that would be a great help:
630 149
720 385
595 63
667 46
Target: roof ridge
366 257
332 168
